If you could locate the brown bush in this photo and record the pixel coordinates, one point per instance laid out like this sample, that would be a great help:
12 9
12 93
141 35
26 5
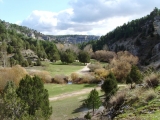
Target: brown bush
102 73
121 70
86 79
152 80
44 75
149 95
74 76
16 73
128 57
121 64
94 66
117 99
60 79
104 56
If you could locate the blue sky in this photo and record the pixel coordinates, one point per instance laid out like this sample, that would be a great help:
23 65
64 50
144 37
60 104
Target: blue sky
59 17
17 10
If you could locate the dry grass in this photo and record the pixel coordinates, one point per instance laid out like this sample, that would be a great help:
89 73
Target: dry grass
152 80
16 73
60 79
74 76
149 95
117 99
44 75
94 66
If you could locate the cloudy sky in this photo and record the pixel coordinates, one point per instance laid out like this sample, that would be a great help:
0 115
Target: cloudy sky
60 17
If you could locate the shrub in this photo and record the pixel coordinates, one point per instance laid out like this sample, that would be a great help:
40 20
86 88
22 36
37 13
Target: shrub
134 95
109 86
149 95
87 116
118 99
15 74
74 76
134 76
121 64
152 80
102 73
86 78
104 56
44 75
60 79
94 66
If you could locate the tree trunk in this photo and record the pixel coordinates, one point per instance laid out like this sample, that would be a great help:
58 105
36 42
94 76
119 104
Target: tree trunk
93 109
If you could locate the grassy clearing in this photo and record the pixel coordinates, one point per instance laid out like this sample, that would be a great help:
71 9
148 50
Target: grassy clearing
68 108
56 89
59 68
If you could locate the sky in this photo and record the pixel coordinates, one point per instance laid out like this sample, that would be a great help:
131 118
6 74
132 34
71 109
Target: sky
82 17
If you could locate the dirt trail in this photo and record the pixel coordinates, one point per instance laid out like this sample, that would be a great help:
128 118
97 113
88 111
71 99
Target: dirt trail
76 93
84 70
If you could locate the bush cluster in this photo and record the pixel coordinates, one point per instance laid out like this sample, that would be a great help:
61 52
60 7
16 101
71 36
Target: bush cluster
152 80
94 66
60 79
44 75
15 74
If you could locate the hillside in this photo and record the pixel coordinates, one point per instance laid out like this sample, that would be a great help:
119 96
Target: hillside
57 38
27 47
74 39
141 37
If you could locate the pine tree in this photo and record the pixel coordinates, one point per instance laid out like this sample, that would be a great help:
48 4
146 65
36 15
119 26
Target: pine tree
109 86
31 90
12 106
84 57
93 101
134 76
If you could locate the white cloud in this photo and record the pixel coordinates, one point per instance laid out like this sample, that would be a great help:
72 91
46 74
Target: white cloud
89 16
41 20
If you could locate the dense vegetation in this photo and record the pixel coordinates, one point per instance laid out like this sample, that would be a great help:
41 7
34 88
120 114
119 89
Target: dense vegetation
131 29
17 48
28 101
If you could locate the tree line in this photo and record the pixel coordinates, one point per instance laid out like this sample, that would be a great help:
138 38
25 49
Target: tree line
143 25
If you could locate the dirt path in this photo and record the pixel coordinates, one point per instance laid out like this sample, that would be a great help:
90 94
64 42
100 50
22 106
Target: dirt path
76 93
84 70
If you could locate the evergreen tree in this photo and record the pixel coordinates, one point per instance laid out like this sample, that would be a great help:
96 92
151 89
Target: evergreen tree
32 92
38 62
93 101
134 76
12 106
109 86
55 57
84 57
10 49
67 56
